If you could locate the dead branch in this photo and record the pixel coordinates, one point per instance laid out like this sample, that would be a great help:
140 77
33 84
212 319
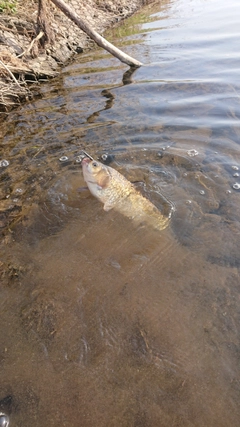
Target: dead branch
10 73
28 50
123 57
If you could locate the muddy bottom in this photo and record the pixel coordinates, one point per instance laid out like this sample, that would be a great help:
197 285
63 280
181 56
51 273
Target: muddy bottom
103 322
112 324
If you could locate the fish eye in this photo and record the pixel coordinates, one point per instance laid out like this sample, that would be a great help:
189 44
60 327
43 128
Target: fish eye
94 164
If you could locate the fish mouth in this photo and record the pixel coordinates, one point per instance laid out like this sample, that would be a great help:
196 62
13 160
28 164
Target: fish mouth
86 160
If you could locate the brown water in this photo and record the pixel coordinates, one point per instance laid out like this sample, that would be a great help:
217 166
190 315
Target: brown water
104 323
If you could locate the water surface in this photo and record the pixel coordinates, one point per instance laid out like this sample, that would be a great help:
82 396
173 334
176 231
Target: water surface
104 323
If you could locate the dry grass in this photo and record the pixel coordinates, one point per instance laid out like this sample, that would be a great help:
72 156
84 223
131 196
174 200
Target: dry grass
12 62
12 94
13 87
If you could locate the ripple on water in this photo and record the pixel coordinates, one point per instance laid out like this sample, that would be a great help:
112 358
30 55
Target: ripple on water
148 321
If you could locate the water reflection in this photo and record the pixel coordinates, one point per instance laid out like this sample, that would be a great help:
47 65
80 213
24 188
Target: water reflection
104 322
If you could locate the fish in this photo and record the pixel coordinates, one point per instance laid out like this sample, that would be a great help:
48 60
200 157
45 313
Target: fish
115 192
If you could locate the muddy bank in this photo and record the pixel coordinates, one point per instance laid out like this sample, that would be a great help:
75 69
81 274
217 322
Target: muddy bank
24 59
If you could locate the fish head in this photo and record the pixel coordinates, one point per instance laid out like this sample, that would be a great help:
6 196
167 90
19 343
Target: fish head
96 175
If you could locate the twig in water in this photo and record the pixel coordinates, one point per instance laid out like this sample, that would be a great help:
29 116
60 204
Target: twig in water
11 74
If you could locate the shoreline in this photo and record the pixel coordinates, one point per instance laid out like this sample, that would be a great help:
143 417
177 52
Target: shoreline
24 61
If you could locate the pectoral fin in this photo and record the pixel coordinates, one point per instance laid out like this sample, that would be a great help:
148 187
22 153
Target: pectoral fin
103 180
107 206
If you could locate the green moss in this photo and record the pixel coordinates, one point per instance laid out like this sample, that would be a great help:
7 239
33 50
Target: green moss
8 6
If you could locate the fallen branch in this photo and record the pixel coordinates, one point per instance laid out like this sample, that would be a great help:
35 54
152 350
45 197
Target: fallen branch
10 73
123 57
28 50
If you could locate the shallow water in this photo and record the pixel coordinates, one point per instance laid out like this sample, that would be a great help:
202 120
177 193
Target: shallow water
104 323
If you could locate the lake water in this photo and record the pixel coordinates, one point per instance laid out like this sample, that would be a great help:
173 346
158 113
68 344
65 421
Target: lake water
105 323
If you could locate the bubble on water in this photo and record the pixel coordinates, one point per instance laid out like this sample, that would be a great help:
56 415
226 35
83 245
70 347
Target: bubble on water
235 168
63 159
4 420
202 192
236 186
192 153
107 158
19 190
104 157
4 163
236 174
80 158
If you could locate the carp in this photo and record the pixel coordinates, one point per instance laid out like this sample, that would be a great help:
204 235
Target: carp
112 189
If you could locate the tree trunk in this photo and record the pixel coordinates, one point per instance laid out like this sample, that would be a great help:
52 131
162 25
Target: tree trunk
94 35
43 24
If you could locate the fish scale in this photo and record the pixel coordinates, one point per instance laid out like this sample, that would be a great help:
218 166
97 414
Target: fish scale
116 192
